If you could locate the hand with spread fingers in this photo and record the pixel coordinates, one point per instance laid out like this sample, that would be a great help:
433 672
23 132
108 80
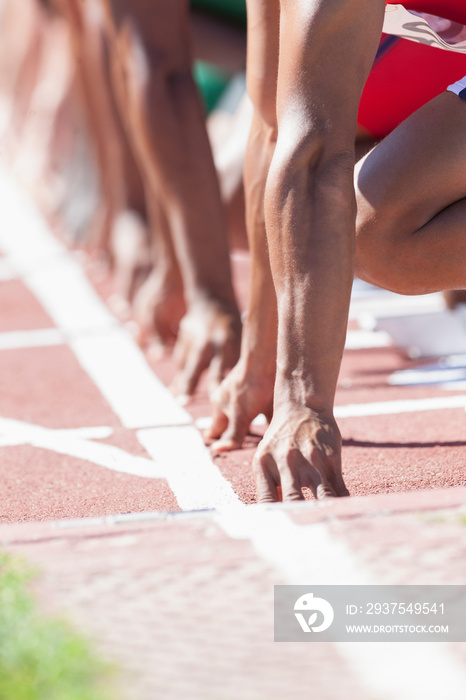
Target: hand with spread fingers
240 398
300 449
158 308
209 338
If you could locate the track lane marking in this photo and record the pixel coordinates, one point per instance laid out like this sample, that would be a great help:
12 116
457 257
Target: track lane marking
194 478
385 408
78 443
39 338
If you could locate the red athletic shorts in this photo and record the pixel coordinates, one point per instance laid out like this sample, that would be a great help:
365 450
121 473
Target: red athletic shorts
406 75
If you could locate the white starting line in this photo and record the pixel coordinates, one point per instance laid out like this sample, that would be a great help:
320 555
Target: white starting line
17 340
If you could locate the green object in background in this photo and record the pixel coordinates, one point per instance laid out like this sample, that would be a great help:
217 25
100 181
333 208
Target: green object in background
42 658
211 82
232 10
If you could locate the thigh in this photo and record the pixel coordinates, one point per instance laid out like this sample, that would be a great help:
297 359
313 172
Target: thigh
404 77
419 169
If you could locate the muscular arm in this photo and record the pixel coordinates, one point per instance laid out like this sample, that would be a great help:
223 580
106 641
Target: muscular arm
326 51
167 126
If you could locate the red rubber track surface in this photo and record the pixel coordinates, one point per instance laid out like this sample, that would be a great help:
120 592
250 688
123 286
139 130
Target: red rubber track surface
46 386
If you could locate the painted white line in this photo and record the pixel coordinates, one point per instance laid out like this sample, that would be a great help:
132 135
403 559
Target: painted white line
187 466
73 444
119 369
309 555
99 432
15 340
385 408
6 271
65 293
19 431
420 377
405 671
289 546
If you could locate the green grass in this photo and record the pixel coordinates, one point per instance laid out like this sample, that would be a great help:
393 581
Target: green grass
42 658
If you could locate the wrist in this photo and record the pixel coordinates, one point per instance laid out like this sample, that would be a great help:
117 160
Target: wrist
295 391
200 297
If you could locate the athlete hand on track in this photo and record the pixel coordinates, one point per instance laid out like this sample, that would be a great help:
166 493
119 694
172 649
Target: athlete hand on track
300 448
209 337
158 308
241 397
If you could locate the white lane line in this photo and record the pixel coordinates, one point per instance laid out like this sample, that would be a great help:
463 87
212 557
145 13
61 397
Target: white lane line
310 555
73 443
45 337
63 290
6 271
119 369
420 377
405 671
290 547
385 408
187 466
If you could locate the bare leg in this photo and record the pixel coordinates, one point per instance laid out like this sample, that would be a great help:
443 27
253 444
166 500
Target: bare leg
411 194
248 389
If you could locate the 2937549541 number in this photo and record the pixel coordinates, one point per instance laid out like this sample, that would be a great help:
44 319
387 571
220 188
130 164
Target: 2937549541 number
405 608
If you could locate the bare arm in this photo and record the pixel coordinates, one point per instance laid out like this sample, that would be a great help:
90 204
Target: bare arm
326 51
167 125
